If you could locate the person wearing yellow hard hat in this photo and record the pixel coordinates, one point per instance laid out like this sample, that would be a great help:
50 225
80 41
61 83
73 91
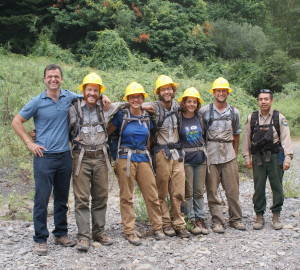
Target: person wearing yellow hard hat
191 134
223 129
88 135
133 163
168 156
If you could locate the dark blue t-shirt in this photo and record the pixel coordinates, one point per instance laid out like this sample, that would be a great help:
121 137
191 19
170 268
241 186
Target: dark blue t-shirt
190 135
134 136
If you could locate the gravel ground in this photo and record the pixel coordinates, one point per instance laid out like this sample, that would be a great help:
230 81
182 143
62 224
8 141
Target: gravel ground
265 249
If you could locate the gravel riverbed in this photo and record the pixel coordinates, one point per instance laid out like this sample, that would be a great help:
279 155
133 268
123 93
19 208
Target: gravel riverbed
264 249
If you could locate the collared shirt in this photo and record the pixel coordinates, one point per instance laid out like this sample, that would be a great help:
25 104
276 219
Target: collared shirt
50 120
168 133
220 133
285 137
92 133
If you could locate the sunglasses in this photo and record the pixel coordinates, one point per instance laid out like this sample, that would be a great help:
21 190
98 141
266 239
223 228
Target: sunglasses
265 91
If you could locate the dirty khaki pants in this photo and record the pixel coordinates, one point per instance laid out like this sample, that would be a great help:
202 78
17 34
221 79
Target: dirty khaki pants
143 174
170 178
91 181
227 174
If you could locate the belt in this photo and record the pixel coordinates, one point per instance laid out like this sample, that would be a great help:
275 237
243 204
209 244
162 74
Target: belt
93 154
54 154
220 141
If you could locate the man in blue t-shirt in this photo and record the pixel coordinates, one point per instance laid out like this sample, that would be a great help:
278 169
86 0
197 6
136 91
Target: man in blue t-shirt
52 160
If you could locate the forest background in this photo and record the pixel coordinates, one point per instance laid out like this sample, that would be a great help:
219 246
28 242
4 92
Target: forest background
253 44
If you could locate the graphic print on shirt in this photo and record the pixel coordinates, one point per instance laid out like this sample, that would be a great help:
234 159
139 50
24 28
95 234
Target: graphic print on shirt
192 133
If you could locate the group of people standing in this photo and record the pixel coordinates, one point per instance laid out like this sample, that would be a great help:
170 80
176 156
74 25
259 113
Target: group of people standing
175 150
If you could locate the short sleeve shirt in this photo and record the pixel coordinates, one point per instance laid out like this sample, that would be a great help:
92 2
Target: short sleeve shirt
220 133
50 120
134 136
190 135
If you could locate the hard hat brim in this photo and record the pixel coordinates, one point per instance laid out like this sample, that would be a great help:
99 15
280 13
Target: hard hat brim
212 89
144 94
181 98
173 84
102 87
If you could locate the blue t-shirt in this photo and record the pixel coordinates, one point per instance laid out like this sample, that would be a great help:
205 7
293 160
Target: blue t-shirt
134 136
190 135
50 120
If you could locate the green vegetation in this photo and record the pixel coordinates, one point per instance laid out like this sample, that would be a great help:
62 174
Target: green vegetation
249 42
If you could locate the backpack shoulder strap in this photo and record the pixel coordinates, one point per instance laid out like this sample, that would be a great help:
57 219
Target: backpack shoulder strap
253 122
275 119
100 115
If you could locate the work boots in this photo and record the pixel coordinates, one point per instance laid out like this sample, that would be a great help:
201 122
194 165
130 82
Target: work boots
276 221
259 222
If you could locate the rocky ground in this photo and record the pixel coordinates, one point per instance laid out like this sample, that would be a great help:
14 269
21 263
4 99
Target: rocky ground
265 249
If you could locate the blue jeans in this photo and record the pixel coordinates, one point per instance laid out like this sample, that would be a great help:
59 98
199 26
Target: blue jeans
194 190
53 170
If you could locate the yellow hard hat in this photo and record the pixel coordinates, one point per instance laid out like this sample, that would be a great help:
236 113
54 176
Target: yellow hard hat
191 92
134 88
163 80
92 78
220 83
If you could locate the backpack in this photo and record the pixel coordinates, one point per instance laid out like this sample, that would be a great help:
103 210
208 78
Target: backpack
74 134
211 119
158 119
262 135
114 140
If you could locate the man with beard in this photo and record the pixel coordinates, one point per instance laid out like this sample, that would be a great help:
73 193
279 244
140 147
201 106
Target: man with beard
88 134
223 130
168 157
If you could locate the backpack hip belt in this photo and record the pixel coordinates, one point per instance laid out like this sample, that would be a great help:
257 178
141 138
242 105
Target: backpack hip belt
171 146
92 152
219 141
129 152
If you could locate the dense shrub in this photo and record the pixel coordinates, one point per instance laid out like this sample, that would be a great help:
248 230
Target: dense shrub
235 40
110 51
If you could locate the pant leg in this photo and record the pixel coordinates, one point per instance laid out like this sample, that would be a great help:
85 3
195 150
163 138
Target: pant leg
189 177
176 191
230 183
163 176
198 190
147 185
275 174
260 179
81 189
99 192
214 202
126 194
43 176
61 187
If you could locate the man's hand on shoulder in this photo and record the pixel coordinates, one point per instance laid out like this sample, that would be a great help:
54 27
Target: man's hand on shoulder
106 102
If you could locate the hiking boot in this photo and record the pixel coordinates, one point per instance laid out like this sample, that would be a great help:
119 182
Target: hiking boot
104 239
201 224
194 229
169 231
133 239
65 241
83 245
183 233
276 221
40 248
218 228
259 222
238 225
159 235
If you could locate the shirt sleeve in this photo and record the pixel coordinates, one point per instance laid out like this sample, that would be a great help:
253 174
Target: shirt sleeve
236 122
117 119
29 109
285 139
247 141
114 107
